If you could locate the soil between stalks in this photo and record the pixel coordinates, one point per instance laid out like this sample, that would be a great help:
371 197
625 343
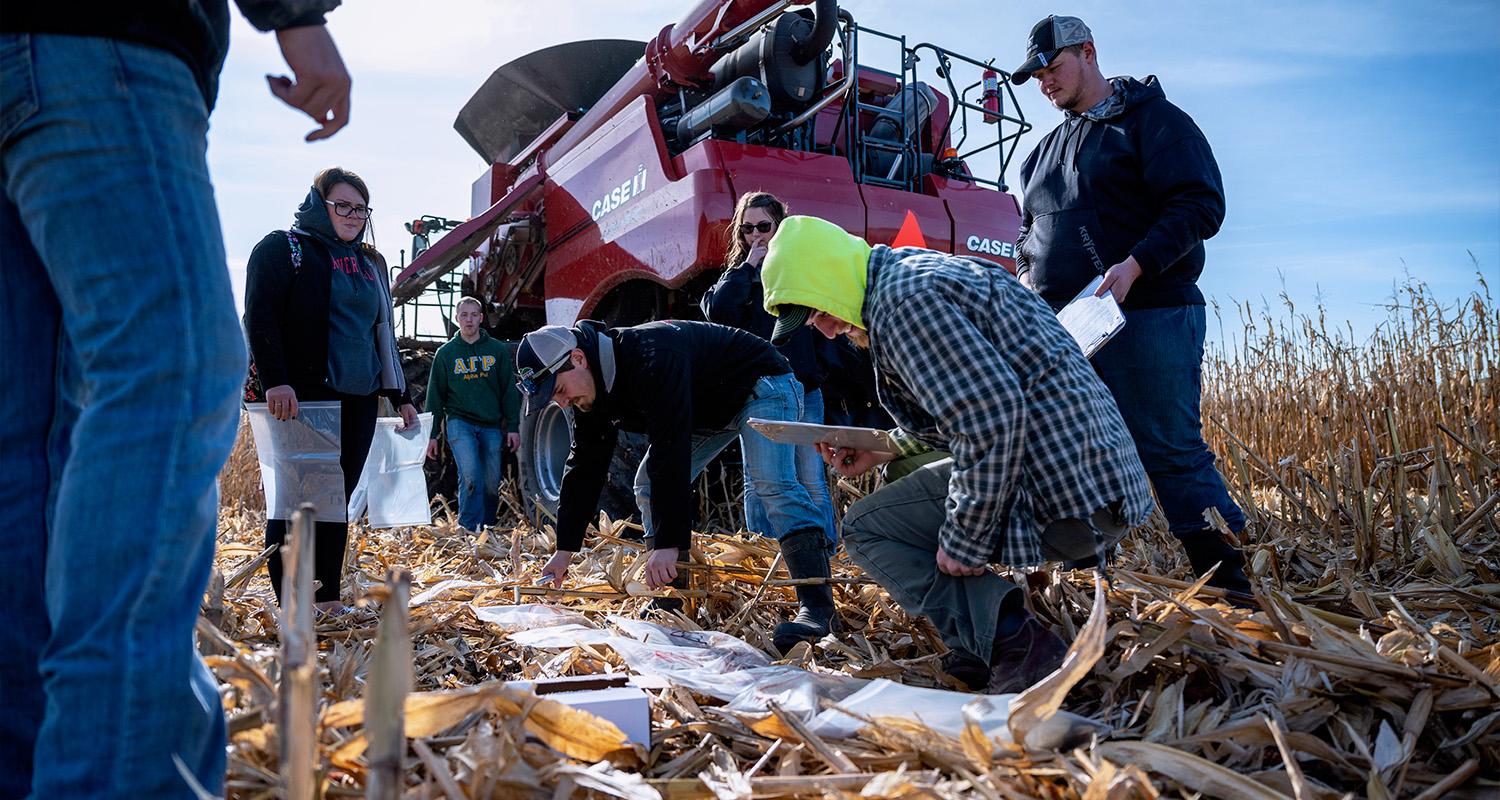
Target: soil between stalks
1370 666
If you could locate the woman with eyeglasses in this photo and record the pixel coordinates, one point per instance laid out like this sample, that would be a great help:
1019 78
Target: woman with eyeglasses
318 319
735 300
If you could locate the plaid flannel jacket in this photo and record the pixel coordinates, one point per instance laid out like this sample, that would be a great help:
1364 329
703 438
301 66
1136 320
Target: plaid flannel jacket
972 362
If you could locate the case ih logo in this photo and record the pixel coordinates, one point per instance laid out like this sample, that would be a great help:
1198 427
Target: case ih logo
994 247
620 194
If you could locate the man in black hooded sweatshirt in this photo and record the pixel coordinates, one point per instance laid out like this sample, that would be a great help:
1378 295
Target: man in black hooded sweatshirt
689 387
1126 189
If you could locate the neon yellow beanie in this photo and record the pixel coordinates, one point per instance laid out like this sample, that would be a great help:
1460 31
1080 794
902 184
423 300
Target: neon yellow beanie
814 263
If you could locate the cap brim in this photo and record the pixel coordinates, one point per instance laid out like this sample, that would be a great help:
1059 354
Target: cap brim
539 399
788 321
1023 72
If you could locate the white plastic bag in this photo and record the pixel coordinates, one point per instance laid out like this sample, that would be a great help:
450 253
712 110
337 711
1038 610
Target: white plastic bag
392 486
299 460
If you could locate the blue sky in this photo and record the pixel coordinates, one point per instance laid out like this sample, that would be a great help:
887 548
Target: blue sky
1359 141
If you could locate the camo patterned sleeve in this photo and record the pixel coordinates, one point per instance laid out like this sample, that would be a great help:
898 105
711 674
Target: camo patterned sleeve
906 444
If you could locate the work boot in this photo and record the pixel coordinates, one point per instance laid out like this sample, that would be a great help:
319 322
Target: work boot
968 669
1205 549
1025 657
806 553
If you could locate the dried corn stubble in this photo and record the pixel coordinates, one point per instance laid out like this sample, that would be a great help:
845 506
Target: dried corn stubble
1369 666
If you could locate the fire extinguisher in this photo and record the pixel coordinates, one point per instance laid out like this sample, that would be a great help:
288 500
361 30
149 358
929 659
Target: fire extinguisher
991 100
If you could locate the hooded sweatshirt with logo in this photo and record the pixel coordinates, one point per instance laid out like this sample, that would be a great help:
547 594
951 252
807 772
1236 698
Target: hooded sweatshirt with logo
1132 176
666 380
475 383
323 325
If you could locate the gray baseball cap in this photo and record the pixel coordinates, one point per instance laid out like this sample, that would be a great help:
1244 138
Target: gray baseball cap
538 358
1047 38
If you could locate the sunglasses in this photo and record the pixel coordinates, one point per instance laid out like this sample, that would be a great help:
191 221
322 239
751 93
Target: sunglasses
528 380
747 228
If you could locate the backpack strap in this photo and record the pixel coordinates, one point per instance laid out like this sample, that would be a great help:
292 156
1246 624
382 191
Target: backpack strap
296 246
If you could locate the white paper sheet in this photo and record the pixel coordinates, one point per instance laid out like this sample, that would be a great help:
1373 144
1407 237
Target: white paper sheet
1092 320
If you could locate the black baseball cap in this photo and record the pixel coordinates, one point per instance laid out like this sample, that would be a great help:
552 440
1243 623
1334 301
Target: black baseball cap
789 318
538 358
1048 38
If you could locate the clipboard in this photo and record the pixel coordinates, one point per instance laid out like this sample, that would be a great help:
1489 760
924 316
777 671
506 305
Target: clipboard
807 433
1092 320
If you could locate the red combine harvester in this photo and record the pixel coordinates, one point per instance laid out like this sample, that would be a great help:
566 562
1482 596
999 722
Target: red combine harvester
615 166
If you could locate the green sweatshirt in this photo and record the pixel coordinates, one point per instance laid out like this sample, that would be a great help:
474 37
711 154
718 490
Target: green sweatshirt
475 383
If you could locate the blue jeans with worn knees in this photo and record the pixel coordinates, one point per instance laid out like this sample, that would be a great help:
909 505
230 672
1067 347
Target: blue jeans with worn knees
477 452
770 467
811 472
1153 367
122 361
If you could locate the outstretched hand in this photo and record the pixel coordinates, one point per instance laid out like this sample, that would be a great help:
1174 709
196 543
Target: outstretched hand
556 570
321 85
661 567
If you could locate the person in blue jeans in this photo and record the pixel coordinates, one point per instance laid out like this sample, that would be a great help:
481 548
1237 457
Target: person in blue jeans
122 363
1126 189
472 394
689 387
735 300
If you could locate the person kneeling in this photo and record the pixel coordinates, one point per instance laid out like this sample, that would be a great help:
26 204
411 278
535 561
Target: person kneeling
971 362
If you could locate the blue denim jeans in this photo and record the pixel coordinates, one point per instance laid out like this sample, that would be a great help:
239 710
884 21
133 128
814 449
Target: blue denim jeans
1153 367
770 468
121 361
477 452
811 473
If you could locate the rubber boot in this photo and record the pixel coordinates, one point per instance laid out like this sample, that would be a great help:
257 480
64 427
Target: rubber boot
806 553
1205 549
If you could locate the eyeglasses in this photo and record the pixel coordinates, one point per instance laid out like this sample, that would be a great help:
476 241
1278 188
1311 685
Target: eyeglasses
345 210
527 380
747 228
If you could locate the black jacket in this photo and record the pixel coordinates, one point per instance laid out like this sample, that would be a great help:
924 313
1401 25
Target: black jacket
286 307
1141 183
670 379
736 300
195 30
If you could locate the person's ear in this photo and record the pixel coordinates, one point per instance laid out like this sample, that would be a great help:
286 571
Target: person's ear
579 359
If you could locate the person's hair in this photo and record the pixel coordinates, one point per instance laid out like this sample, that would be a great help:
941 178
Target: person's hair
738 249
333 176
1075 49
465 300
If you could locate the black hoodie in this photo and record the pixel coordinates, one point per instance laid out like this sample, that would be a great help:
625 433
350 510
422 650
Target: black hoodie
1142 181
287 306
669 379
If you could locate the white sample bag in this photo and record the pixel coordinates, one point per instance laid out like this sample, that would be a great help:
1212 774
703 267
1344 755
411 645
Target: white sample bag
392 486
299 460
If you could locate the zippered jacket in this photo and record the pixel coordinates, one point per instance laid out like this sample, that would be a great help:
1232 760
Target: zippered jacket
287 306
666 380
1142 181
